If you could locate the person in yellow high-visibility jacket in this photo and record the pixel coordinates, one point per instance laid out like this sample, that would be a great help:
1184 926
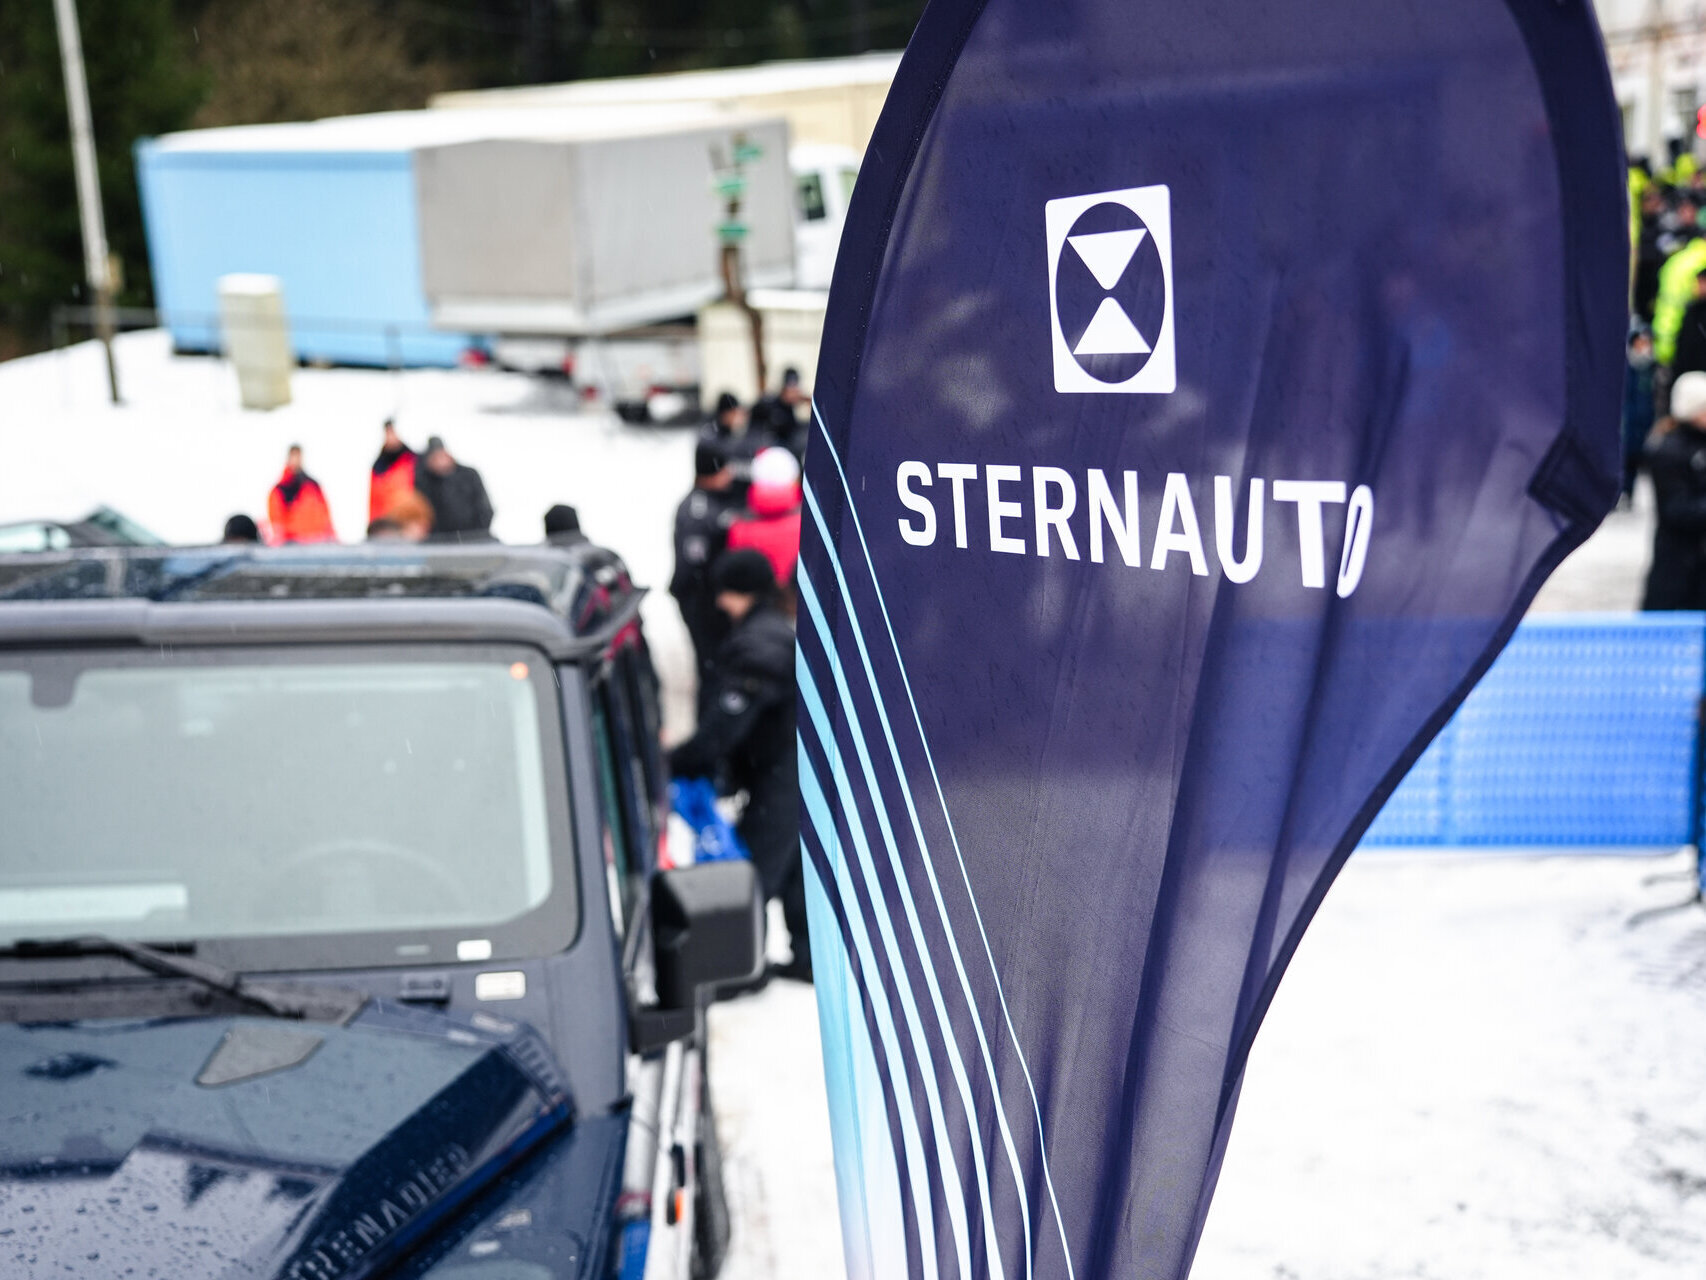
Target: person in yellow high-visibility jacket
1676 293
1638 184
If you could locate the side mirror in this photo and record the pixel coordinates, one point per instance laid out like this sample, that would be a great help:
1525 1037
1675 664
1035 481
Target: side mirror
707 929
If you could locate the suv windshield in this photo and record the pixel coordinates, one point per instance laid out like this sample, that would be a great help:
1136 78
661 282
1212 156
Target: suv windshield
398 805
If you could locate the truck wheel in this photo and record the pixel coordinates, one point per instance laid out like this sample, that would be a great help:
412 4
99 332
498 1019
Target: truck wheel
711 1225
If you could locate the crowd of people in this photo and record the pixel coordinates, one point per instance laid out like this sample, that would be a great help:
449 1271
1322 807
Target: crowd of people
1664 402
737 547
737 544
412 497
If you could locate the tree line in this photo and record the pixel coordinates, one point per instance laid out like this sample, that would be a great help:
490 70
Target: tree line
155 66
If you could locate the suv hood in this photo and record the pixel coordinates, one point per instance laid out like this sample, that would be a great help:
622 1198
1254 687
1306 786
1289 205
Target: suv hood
245 1147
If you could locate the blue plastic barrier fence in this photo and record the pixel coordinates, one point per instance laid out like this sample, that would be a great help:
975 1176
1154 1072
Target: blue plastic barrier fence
1584 732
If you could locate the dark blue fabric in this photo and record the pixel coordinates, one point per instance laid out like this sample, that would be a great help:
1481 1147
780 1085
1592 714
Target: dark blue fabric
1078 814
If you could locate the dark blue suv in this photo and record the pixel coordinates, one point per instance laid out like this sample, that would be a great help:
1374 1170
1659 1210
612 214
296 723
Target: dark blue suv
333 938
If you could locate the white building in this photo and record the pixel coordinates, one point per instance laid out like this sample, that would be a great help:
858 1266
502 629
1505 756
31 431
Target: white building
1658 65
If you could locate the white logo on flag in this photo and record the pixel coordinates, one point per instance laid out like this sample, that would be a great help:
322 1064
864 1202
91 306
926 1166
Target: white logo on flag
1111 297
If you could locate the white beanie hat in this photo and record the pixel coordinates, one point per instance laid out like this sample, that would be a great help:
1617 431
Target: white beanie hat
1688 398
776 468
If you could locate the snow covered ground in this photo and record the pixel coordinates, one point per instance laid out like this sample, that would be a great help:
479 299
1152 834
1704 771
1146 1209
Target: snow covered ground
1477 1067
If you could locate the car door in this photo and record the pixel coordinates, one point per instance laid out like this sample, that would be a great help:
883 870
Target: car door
658 1201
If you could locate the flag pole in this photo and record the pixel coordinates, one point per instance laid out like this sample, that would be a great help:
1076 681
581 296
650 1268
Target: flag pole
96 262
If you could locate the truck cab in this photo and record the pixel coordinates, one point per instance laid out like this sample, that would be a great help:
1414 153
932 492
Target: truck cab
335 937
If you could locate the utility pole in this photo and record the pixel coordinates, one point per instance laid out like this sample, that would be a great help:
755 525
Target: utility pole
729 181
96 262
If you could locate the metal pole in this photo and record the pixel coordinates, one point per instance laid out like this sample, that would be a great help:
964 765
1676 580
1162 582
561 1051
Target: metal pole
95 260
1658 156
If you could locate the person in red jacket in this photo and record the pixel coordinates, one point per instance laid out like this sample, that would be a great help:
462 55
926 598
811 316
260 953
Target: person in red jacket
772 520
297 506
393 474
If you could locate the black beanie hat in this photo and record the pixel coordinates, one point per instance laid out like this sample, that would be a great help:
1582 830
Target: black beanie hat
745 572
725 402
709 457
562 518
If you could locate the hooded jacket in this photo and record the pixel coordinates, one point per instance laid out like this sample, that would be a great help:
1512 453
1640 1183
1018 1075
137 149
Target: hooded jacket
772 526
459 500
746 732
297 510
702 524
393 476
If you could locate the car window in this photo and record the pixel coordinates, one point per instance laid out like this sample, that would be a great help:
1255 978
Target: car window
848 178
630 774
33 537
612 827
247 796
808 193
122 528
650 779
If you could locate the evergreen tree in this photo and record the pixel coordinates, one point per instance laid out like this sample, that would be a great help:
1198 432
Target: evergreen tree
278 60
152 63
502 42
141 83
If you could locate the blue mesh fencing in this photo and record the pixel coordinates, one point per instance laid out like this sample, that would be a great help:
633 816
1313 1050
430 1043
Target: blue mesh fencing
1584 732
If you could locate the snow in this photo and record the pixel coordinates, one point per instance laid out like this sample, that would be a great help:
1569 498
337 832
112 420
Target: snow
1477 1067
180 455
1607 571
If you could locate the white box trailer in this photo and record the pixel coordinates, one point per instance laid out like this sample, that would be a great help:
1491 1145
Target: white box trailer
608 226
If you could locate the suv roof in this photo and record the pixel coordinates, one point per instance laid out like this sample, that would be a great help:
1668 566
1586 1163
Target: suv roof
571 600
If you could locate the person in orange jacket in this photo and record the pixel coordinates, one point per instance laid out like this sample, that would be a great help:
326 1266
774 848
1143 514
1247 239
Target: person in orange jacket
393 473
297 506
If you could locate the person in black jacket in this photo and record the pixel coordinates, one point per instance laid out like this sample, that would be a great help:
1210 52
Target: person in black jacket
787 415
1649 257
741 437
1690 356
1677 460
457 494
701 533
746 734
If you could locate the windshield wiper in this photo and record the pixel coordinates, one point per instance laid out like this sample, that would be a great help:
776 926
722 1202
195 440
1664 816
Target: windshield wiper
314 1003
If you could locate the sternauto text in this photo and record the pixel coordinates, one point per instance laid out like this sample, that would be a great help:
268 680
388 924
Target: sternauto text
1053 510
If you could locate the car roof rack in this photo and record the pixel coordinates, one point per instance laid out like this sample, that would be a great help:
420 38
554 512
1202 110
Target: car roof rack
587 588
